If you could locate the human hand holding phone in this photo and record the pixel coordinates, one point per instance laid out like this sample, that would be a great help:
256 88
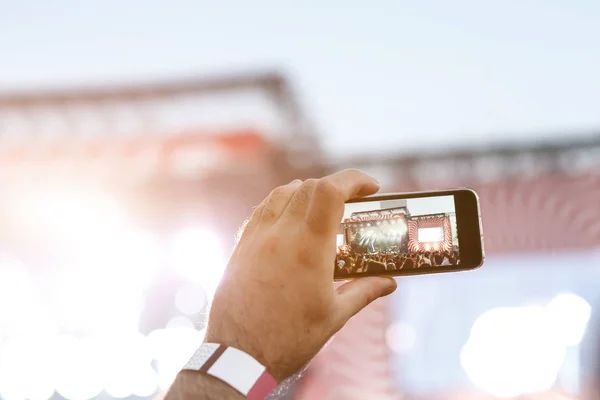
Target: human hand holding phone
276 301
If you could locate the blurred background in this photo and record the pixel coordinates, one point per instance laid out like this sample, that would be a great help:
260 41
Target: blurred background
135 137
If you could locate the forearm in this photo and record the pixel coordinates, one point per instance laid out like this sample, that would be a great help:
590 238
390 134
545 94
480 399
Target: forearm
199 386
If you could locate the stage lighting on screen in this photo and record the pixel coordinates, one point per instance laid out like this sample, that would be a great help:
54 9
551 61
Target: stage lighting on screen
431 235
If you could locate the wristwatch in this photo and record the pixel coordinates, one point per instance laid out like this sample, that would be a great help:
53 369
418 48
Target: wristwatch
234 367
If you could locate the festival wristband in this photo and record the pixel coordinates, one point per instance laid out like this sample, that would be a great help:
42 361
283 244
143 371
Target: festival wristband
234 367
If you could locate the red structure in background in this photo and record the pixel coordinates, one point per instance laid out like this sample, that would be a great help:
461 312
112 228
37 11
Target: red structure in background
551 210
162 168
123 160
131 133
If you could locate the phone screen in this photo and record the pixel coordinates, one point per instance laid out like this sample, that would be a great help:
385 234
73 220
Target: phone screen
397 236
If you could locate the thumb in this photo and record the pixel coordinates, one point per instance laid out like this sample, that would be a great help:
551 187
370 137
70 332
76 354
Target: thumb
355 295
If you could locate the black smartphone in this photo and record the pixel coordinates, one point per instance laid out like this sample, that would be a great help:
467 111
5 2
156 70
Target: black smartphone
410 234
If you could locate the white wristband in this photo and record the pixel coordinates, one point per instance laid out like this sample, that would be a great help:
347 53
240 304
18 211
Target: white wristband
234 367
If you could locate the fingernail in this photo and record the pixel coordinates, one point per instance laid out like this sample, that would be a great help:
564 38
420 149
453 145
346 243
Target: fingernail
376 181
295 182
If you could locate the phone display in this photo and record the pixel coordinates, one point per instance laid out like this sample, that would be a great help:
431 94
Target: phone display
407 234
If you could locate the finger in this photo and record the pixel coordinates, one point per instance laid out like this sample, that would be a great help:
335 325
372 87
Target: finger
241 230
277 201
298 205
326 208
249 225
353 183
355 295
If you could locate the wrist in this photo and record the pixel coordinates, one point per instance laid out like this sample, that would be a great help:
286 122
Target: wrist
194 386
249 346
234 367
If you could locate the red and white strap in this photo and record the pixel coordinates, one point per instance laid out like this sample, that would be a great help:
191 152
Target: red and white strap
234 367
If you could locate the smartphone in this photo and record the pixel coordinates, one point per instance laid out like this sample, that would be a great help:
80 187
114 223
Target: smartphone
410 234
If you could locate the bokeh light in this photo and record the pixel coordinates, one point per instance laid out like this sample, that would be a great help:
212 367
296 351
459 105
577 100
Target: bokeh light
191 299
401 337
570 314
23 360
511 351
172 348
198 255
78 215
517 350
77 373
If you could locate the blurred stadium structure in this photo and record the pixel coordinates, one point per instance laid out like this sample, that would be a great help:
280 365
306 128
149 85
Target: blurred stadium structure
118 211
119 208
168 146
536 200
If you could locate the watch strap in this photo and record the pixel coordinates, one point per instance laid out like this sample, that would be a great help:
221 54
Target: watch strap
234 367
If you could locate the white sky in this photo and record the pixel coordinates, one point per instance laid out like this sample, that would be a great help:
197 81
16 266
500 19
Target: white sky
390 75
362 206
421 206
431 205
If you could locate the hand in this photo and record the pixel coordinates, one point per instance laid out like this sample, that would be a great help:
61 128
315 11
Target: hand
276 301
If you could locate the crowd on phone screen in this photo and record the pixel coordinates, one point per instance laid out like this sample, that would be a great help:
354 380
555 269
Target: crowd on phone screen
355 263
